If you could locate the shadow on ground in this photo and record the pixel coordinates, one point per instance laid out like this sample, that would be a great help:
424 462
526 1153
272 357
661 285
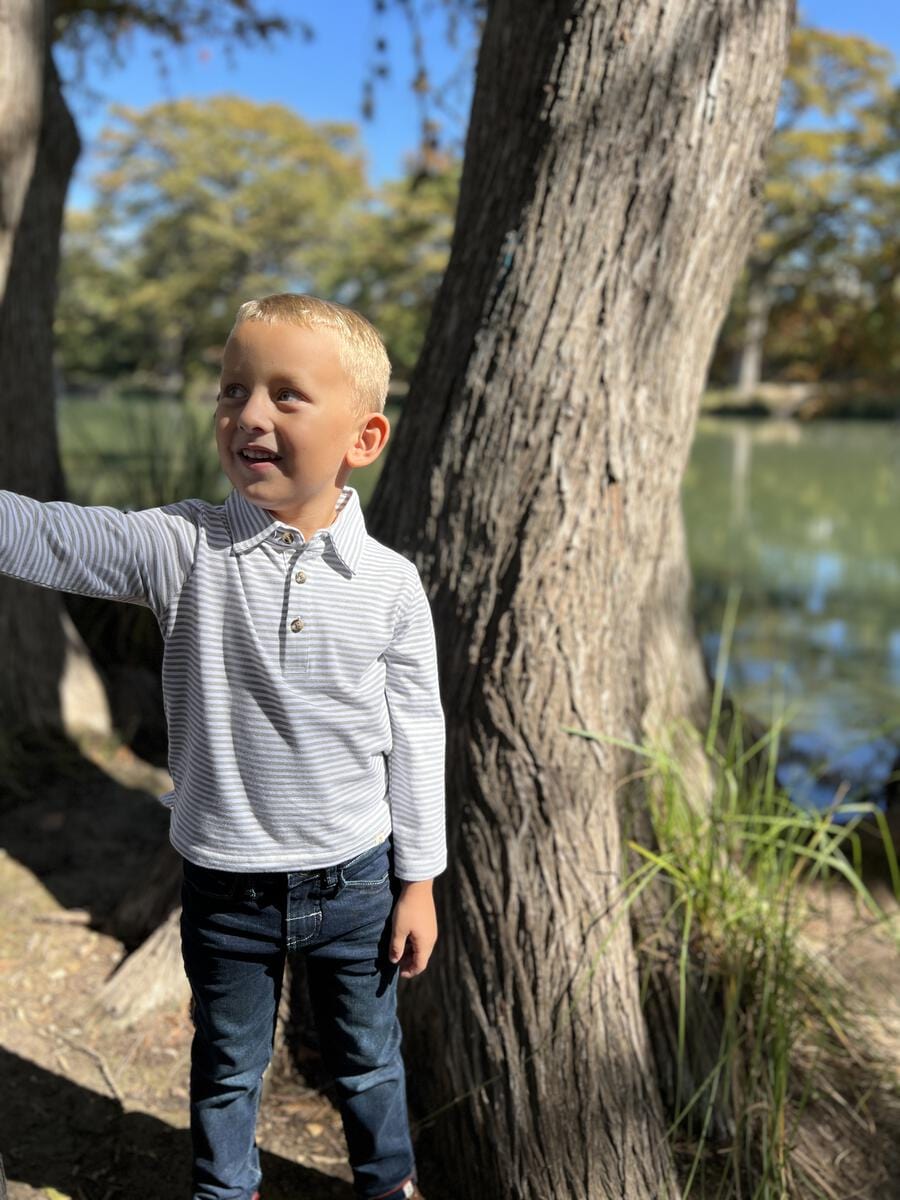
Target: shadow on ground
88 839
90 1149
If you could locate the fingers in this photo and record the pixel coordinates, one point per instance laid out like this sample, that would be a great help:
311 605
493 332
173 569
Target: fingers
409 953
398 944
414 961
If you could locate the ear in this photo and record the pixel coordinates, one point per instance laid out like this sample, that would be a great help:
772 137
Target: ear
371 439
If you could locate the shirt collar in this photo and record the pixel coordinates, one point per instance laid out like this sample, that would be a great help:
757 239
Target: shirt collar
250 525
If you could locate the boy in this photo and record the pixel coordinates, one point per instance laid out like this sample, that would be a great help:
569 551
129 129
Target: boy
306 735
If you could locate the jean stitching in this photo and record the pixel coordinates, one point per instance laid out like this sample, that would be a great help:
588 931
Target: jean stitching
351 862
293 940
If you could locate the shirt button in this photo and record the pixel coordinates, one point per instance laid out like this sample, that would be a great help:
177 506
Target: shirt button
287 537
300 577
296 625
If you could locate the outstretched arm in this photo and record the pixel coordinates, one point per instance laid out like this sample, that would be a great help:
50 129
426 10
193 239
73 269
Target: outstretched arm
142 557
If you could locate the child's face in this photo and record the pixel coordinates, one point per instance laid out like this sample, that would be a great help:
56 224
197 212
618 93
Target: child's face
284 418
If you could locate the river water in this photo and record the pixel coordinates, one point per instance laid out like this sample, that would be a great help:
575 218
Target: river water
801 522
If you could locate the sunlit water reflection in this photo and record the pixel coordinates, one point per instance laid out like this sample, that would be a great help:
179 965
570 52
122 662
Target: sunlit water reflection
805 521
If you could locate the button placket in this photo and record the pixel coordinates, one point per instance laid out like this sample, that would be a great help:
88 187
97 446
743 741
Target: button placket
297 623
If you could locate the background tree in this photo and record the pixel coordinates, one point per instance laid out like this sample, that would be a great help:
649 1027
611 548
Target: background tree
96 334
229 198
37 156
393 262
152 274
611 183
40 147
21 86
827 197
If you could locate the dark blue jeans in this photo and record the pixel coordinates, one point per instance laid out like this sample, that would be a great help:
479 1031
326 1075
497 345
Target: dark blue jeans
236 931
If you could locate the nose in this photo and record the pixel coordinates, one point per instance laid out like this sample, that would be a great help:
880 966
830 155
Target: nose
255 414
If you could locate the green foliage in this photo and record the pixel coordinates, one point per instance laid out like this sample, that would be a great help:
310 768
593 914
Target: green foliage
396 256
204 204
736 876
97 334
826 257
201 204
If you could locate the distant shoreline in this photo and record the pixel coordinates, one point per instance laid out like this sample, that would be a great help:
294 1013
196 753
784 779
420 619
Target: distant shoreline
857 400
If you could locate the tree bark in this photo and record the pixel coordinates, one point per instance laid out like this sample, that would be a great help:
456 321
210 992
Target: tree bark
613 171
22 40
31 631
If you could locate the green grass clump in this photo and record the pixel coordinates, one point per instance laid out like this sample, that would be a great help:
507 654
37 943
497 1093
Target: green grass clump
771 1073
737 875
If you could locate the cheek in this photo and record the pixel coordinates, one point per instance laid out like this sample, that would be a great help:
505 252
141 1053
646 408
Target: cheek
224 429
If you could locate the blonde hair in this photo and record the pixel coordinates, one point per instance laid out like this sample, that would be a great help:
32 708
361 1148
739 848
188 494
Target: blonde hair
361 351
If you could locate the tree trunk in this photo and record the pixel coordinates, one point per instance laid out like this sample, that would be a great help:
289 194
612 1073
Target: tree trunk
22 39
612 176
152 979
756 326
31 631
150 976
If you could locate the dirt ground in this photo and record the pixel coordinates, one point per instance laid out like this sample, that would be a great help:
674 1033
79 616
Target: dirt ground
91 1110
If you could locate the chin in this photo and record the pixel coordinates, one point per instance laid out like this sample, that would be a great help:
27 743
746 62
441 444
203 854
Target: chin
254 491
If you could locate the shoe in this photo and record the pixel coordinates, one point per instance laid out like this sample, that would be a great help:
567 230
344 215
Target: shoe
409 1191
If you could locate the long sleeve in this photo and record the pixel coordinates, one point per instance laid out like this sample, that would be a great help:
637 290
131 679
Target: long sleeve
416 761
141 557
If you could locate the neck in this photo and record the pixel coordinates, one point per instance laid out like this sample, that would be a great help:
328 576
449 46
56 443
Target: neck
310 517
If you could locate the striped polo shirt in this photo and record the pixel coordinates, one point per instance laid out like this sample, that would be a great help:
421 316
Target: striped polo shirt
299 676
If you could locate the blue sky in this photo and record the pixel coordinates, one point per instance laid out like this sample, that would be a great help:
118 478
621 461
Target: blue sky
322 79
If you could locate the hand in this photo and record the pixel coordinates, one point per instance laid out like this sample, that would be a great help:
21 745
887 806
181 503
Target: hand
414 928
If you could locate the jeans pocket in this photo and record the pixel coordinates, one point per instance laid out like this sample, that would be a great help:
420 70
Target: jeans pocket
370 870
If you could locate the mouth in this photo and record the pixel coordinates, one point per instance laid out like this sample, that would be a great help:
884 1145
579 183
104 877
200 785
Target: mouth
257 458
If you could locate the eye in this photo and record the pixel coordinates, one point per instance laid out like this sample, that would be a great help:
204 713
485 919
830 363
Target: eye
231 391
289 396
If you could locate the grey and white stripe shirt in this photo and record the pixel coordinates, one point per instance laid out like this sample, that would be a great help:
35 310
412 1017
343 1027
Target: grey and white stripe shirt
300 676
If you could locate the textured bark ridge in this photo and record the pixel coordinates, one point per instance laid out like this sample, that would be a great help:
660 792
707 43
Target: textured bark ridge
22 31
32 642
613 168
